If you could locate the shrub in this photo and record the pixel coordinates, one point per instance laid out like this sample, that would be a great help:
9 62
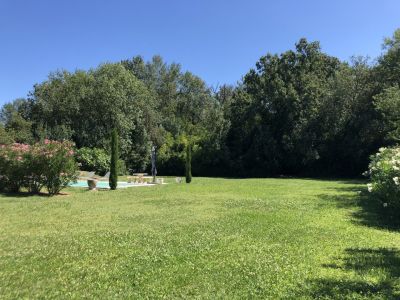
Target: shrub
13 166
59 165
384 171
49 164
95 159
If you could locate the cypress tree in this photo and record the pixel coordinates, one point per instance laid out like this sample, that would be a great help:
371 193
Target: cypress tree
114 160
188 163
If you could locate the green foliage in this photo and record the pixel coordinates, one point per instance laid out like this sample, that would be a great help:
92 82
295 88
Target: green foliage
5 137
60 166
384 171
114 159
86 106
14 116
93 159
122 170
188 164
49 164
388 104
171 155
300 112
276 122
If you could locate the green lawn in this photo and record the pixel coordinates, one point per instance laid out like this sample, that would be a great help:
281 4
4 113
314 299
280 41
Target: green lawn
214 238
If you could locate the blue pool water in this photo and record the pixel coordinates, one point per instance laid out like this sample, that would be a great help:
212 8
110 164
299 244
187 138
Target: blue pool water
102 184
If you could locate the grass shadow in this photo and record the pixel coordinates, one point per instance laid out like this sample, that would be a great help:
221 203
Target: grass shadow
30 195
374 273
368 211
22 195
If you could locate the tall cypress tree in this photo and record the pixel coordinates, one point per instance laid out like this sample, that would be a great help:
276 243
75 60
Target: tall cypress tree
114 160
188 163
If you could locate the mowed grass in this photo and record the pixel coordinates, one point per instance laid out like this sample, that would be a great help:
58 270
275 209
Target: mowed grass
214 238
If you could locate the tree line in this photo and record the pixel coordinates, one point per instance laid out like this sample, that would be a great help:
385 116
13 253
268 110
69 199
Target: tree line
301 112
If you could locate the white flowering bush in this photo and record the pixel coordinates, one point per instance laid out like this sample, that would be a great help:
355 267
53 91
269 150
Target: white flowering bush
384 172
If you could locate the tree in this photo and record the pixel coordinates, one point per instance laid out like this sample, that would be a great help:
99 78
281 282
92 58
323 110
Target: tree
114 160
388 104
14 116
84 106
273 113
188 165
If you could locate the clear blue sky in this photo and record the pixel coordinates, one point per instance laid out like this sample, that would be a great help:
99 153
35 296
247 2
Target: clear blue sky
215 39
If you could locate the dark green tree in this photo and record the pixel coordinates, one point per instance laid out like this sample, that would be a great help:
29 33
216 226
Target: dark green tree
188 165
114 160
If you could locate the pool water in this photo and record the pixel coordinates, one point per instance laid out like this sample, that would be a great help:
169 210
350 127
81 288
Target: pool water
103 184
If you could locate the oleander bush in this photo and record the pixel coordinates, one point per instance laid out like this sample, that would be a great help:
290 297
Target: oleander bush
384 172
48 164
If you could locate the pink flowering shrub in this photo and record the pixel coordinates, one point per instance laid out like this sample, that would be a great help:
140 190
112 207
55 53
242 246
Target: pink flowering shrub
384 172
48 164
13 165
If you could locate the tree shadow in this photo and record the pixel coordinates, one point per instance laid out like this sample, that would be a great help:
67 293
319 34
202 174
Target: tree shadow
21 195
368 211
377 273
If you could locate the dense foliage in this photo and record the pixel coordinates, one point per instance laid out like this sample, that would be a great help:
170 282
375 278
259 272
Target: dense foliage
93 159
301 112
384 171
49 164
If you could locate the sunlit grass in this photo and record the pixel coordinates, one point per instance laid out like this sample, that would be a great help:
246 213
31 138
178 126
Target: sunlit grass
214 238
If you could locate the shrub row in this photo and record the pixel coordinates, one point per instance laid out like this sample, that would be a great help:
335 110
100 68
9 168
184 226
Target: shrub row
384 171
48 164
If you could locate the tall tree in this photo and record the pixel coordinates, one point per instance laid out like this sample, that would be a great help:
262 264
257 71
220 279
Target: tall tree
114 160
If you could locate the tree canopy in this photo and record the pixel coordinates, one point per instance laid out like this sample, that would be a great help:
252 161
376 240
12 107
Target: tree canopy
301 112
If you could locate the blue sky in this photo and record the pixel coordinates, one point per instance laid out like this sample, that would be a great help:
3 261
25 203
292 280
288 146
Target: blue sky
217 40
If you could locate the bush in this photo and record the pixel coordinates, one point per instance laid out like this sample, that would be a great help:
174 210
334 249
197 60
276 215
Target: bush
95 159
13 166
384 171
59 165
49 164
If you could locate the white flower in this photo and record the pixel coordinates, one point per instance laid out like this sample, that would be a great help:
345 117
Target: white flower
396 180
382 149
369 185
396 168
385 204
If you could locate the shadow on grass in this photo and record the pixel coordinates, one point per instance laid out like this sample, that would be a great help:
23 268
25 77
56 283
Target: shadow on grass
376 273
30 195
368 210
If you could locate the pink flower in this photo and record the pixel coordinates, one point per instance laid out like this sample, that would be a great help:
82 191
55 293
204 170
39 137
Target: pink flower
46 141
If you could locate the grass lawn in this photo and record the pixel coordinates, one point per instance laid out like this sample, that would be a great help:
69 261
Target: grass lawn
214 238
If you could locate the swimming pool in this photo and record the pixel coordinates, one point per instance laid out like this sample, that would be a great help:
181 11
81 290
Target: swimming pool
105 184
